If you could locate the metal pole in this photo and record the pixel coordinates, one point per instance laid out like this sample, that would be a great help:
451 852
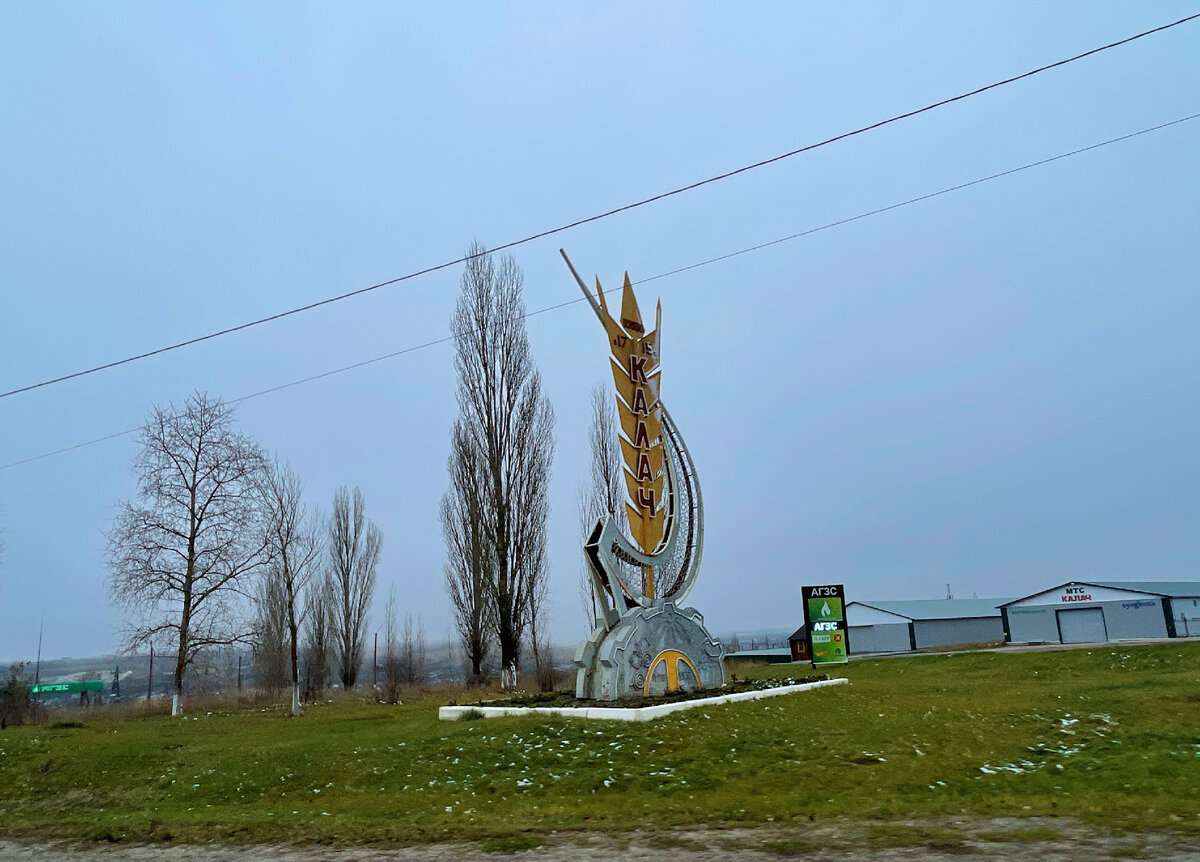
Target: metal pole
37 670
150 675
239 673
375 663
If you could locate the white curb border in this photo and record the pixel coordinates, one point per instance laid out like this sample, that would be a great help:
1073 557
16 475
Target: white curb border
645 713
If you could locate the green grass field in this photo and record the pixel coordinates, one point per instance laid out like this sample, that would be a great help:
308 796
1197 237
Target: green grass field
1110 736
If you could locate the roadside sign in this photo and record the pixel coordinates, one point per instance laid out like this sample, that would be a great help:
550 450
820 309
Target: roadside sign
67 687
825 624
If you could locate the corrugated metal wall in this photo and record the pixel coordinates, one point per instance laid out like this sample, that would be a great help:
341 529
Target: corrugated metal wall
936 633
890 637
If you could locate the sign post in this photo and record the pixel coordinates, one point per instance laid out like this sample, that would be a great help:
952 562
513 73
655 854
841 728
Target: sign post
825 624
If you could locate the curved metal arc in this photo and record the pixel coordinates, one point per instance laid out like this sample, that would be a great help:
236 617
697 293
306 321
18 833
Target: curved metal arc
608 546
695 500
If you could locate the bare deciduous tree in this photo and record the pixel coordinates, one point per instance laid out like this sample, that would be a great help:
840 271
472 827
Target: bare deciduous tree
412 651
354 546
468 560
539 642
318 635
391 654
451 652
270 632
506 427
184 555
604 493
295 546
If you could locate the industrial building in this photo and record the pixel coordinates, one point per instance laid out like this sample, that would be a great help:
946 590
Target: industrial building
766 655
918 624
1098 611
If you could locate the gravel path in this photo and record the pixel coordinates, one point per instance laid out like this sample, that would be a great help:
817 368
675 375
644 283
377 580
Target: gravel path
1046 839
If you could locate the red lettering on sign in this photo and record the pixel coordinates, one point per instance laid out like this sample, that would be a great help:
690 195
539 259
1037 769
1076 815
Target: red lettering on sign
641 437
643 471
645 498
1085 597
637 368
639 405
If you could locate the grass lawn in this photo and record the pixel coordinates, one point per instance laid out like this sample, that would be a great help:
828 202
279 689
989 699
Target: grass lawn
1110 736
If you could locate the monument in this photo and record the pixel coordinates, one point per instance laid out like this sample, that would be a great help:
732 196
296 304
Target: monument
645 643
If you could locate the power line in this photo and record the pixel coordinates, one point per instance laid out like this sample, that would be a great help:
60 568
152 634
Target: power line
678 270
920 198
577 223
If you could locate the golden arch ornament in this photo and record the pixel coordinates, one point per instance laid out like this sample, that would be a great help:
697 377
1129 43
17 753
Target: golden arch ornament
640 579
670 659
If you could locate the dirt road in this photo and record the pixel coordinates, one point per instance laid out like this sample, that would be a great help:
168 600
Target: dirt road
1042 839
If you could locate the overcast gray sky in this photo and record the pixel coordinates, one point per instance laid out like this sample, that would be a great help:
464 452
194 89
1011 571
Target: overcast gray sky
994 388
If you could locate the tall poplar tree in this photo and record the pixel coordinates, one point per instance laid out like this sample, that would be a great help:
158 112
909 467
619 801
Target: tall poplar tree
494 514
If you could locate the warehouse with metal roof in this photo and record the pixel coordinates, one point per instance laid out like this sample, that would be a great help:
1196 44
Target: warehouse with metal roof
902 626
1099 611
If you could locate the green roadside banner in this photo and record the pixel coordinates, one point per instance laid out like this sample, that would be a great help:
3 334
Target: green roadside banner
67 687
825 624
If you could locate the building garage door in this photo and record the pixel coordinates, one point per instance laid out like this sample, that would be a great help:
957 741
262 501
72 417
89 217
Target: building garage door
1082 625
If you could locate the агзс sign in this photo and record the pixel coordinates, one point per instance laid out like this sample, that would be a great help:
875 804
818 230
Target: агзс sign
825 623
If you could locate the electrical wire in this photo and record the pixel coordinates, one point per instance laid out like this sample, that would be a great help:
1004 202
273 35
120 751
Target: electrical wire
589 219
677 271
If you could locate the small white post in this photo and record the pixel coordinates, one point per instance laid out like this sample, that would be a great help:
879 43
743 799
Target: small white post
175 705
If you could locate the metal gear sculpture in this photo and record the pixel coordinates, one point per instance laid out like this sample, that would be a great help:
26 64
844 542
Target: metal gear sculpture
645 643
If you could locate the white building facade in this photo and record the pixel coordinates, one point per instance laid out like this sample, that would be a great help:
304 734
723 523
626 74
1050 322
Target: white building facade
1100 611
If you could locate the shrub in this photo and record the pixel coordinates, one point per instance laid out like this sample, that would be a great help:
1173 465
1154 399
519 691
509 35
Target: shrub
17 706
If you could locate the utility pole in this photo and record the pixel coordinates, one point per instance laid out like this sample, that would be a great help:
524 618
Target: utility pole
37 668
375 663
239 673
150 675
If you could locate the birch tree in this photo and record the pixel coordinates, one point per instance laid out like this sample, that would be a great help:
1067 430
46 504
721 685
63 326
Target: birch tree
183 554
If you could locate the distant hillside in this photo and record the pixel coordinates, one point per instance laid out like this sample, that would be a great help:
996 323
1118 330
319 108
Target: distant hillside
220 671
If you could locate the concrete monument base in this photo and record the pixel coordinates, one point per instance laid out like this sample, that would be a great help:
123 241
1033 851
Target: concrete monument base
650 651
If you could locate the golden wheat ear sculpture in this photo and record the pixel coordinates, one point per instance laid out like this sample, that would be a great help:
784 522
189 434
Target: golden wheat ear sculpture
666 531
